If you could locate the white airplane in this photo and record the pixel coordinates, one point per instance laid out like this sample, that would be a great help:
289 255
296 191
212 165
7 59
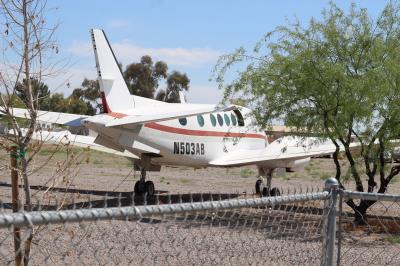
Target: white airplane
155 133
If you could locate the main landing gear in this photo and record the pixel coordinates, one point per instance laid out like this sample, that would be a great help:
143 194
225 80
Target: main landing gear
143 187
264 189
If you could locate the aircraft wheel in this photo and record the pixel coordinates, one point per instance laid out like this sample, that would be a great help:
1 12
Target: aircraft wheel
259 186
265 192
139 188
149 188
275 192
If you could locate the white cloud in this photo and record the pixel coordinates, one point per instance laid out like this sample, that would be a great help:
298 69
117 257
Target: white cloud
206 94
128 52
81 48
73 77
118 24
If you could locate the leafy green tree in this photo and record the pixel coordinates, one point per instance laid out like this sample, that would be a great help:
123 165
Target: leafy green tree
58 103
40 93
89 94
338 77
176 82
143 78
77 106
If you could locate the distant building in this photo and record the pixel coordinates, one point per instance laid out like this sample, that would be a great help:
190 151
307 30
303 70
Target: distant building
45 125
276 132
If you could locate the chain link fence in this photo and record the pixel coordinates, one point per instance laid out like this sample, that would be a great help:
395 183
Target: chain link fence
301 229
282 230
376 241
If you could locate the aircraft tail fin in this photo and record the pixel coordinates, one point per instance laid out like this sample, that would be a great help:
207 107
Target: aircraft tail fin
115 94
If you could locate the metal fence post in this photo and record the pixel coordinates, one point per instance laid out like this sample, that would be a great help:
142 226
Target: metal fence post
329 233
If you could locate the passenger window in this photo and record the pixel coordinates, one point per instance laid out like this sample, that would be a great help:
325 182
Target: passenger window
200 120
227 121
213 120
183 121
220 120
233 118
239 117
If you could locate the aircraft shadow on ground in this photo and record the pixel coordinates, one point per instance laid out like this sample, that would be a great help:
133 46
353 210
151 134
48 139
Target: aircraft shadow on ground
117 199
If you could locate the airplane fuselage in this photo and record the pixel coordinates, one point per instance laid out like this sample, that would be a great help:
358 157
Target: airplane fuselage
191 141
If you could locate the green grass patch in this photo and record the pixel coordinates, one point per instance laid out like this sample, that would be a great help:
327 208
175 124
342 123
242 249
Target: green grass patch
308 168
324 176
394 239
184 180
295 175
245 173
162 179
316 174
97 161
285 176
395 179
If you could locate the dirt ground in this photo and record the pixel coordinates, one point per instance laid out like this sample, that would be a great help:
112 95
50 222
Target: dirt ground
93 179
96 171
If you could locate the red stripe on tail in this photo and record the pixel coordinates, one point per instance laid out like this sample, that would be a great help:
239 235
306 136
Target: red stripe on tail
106 108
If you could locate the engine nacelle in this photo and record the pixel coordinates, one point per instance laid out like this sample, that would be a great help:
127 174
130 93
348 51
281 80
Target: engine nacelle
297 164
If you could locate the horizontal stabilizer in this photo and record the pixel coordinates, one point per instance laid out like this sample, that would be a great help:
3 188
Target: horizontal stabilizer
65 137
50 117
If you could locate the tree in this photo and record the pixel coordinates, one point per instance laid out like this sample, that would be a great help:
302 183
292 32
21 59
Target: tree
27 49
78 106
142 78
57 103
176 82
40 93
337 77
89 94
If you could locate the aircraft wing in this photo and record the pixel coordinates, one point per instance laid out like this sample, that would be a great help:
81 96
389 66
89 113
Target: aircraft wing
66 137
279 154
160 113
50 117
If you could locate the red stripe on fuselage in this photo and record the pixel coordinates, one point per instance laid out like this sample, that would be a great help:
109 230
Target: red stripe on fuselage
191 132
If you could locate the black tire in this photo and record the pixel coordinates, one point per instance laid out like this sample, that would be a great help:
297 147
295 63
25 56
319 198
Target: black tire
149 188
275 192
139 188
259 186
265 192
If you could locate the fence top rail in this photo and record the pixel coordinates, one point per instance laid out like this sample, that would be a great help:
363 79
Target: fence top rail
28 219
369 196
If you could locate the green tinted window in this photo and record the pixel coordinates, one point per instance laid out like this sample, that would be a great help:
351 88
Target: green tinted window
213 120
183 121
220 120
233 118
200 120
227 121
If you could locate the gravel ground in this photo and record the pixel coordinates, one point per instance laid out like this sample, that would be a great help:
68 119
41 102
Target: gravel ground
246 236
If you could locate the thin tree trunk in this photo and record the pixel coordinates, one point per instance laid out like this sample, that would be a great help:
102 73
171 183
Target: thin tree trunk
31 107
15 203
353 167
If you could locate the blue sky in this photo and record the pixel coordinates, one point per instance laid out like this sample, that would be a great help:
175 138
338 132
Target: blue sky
188 35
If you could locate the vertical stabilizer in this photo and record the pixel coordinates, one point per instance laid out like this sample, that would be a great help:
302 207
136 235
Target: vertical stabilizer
114 91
